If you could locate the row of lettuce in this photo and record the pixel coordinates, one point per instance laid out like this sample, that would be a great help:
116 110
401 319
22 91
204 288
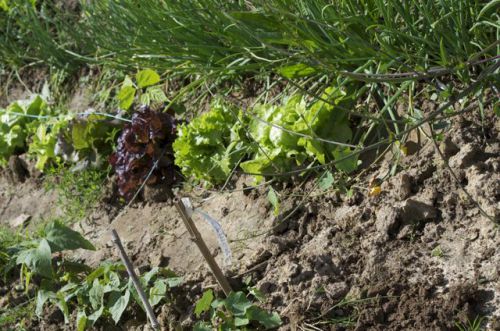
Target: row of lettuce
263 140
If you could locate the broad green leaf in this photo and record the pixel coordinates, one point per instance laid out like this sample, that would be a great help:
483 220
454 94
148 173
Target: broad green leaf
268 320
346 160
257 293
96 294
147 77
174 281
38 260
63 306
252 166
81 320
156 94
63 238
157 292
326 181
98 272
131 288
41 298
149 275
296 71
35 107
203 304
113 283
79 135
117 304
237 303
241 321
127 81
273 199
95 315
126 97
145 99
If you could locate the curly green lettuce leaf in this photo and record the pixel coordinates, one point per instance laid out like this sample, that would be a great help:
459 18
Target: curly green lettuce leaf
209 147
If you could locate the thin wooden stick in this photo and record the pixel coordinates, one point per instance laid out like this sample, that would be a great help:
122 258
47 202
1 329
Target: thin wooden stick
198 239
130 269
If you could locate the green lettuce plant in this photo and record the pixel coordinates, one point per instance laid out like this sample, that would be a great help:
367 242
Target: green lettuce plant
268 139
210 146
15 123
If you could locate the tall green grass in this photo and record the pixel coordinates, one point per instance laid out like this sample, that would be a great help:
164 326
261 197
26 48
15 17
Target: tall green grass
405 39
238 36
38 33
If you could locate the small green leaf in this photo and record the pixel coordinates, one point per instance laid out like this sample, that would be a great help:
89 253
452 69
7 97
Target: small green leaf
157 292
273 199
326 182
237 303
296 71
203 304
38 260
63 306
241 321
81 320
131 288
268 320
346 160
41 298
79 135
147 77
156 94
174 281
113 283
95 315
96 295
117 304
126 97
257 293
35 106
63 238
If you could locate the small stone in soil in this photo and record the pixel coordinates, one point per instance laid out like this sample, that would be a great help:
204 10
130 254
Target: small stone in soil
415 211
20 220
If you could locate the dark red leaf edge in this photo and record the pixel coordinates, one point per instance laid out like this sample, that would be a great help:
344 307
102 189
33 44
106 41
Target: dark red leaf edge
143 142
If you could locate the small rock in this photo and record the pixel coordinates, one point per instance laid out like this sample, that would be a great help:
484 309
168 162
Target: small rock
416 211
448 147
403 188
387 220
337 290
20 220
467 156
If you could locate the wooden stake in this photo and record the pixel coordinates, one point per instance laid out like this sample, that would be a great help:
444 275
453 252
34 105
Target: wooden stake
198 239
130 269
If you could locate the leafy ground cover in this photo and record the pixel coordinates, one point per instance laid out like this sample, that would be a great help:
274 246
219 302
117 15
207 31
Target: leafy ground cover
384 110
